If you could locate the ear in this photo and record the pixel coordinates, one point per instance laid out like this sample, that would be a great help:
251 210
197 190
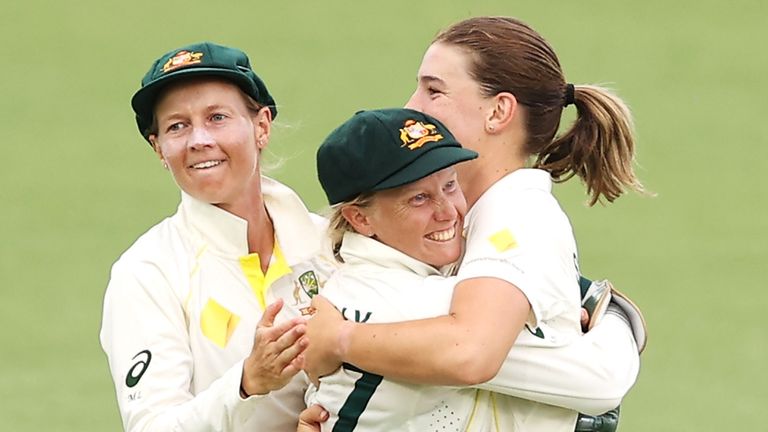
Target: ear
156 148
503 112
262 126
359 219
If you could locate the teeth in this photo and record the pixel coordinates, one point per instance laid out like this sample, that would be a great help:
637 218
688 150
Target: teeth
442 236
206 164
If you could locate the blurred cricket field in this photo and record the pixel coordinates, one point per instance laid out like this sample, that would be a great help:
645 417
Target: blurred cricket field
80 185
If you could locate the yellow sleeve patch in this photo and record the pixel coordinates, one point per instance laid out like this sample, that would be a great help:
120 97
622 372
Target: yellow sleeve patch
218 323
503 240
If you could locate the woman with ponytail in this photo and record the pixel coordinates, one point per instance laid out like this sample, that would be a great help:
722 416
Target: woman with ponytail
499 88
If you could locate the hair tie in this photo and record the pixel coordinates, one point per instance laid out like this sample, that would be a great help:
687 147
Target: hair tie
569 95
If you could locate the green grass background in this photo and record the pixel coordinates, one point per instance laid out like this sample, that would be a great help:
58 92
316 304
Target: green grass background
78 184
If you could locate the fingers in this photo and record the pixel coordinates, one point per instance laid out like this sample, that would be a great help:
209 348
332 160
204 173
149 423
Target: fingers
288 348
268 319
273 358
310 419
274 333
314 414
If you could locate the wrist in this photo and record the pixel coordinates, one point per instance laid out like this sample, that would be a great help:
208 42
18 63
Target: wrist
248 387
243 394
345 340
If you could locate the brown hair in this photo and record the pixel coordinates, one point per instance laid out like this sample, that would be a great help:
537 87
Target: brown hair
338 225
507 55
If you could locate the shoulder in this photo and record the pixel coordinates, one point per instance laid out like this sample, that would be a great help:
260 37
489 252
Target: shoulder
522 187
320 222
151 246
522 199
153 260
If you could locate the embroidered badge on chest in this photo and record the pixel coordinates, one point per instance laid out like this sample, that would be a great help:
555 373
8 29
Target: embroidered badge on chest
306 286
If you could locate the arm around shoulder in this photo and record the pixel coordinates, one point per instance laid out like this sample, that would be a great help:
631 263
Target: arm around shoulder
591 375
465 347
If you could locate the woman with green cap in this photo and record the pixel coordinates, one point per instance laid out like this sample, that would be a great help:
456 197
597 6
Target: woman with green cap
498 86
190 324
397 215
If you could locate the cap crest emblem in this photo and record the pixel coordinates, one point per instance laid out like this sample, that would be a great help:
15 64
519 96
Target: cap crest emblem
182 59
415 134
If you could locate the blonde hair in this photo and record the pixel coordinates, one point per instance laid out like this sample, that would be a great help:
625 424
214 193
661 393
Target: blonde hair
338 224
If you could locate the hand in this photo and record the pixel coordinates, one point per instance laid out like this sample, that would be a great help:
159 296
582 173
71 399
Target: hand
274 358
325 331
310 419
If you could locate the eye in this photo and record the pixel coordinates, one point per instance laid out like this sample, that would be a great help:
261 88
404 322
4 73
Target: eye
432 91
174 127
418 200
218 117
451 186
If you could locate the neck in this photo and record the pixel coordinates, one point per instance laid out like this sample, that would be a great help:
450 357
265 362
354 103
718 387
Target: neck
261 232
493 164
261 235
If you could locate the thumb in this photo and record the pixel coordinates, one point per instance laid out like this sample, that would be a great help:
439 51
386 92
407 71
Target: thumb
268 319
314 414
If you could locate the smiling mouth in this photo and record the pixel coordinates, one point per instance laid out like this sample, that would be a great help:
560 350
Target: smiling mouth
442 236
206 164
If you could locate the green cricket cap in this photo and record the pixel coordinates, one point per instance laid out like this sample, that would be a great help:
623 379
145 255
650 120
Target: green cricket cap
383 149
200 59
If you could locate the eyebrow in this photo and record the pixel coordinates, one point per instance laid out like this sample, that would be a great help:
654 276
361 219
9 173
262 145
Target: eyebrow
430 79
216 107
171 116
208 108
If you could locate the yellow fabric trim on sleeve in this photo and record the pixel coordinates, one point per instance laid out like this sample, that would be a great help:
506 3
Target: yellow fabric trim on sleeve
495 412
474 410
503 240
195 269
217 323
260 282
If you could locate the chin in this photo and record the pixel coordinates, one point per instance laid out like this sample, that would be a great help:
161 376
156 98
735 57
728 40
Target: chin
445 259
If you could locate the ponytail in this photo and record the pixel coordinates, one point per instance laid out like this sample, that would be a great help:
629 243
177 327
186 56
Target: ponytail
510 56
599 147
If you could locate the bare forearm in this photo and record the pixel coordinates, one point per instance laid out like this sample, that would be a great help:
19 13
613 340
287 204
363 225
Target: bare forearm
466 347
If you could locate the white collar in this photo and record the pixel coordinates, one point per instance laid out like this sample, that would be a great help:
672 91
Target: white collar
298 235
359 249
517 180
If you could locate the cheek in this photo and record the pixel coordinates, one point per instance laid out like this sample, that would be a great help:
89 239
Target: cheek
460 203
170 154
451 115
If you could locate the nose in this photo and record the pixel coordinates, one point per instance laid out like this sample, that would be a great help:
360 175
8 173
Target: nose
445 210
412 102
200 138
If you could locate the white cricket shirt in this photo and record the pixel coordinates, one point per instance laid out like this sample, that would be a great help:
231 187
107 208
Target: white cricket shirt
181 309
516 232
379 284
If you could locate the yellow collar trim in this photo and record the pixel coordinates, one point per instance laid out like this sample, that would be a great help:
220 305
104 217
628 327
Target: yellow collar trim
260 282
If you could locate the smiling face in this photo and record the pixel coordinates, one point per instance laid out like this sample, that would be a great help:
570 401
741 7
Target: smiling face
423 219
210 140
445 90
